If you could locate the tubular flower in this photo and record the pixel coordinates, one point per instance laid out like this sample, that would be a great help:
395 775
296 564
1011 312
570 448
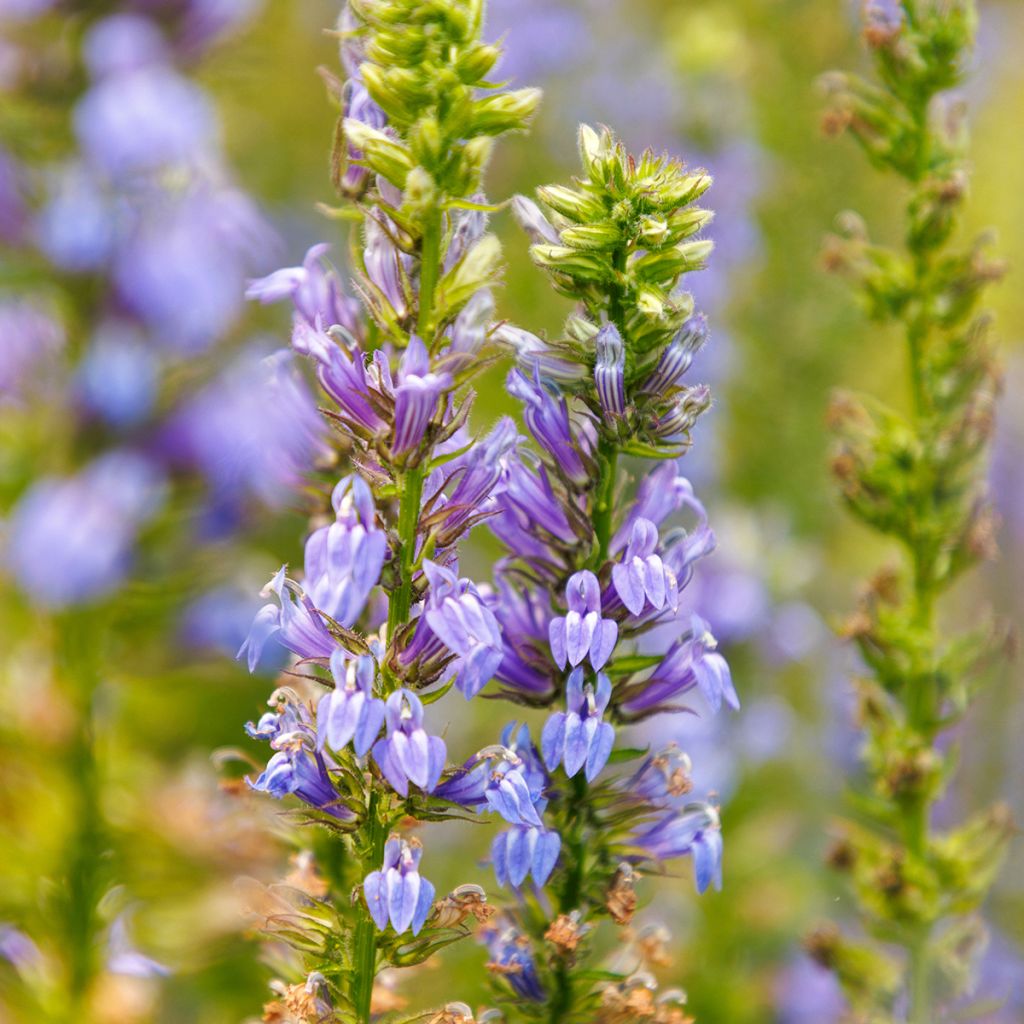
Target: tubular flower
694 831
579 737
350 712
398 894
582 632
407 754
642 578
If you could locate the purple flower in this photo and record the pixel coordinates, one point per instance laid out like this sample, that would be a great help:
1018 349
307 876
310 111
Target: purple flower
407 754
609 371
547 416
314 290
297 767
523 615
464 624
123 958
142 119
642 578
511 956
344 560
384 269
579 737
582 631
292 621
117 377
694 831
77 225
253 430
531 219
416 397
522 851
13 210
528 505
661 493
662 777
18 949
122 43
692 661
70 540
677 356
31 339
350 712
397 893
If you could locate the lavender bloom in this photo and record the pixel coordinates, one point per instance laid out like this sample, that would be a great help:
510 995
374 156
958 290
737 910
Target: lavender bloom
117 377
293 621
531 219
138 119
397 893
297 767
313 289
18 949
662 493
511 957
384 269
678 355
609 371
13 211
70 540
528 503
407 754
416 397
692 661
662 777
254 430
344 560
182 267
465 625
77 226
579 736
122 43
582 631
523 617
350 712
547 416
520 852
30 338
695 831
642 578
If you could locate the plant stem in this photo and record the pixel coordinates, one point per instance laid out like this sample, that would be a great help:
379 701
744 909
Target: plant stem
604 498
408 520
364 954
430 266
77 653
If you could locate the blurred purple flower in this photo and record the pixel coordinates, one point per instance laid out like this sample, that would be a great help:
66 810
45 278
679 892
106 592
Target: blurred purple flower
69 540
118 377
31 339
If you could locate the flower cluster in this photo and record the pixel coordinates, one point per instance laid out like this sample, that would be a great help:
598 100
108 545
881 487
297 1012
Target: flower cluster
916 476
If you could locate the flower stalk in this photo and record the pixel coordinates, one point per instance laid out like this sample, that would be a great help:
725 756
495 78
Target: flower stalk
917 477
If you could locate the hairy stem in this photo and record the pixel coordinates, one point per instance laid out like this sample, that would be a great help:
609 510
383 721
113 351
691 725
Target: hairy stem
364 955
408 521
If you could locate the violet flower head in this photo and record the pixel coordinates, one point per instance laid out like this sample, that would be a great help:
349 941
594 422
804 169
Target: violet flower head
512 958
350 713
297 767
416 397
344 560
523 615
117 378
407 753
359 107
313 289
579 736
292 620
465 625
609 371
694 831
678 356
582 632
547 416
642 579
69 541
526 850
31 338
398 894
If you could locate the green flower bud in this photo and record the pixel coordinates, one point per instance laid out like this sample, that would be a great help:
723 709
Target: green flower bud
682 189
686 222
572 262
602 235
477 269
476 62
380 152
574 205
504 112
653 231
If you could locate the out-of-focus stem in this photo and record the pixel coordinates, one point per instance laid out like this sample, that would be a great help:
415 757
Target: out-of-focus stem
77 643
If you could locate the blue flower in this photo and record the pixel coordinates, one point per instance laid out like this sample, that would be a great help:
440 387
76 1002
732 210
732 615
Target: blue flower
522 851
582 631
694 831
350 712
512 958
609 371
579 737
642 578
398 893
407 753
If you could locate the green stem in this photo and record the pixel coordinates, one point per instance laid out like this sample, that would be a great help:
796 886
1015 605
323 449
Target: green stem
77 647
604 498
430 267
364 953
408 520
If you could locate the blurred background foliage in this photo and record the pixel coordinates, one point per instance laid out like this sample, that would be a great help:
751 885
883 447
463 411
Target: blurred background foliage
730 84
